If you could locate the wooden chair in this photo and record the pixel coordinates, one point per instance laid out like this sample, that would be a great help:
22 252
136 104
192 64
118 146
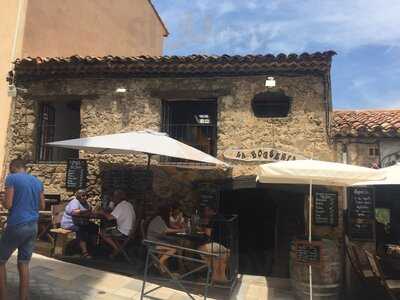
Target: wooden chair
122 241
354 264
366 274
392 287
61 236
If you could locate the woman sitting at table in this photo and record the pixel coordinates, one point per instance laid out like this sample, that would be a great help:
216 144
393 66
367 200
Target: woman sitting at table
212 228
158 230
75 218
176 220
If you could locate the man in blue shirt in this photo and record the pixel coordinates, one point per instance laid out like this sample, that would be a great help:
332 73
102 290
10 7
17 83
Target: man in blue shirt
24 198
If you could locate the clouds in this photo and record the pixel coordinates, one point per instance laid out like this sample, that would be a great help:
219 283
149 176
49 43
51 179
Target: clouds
282 25
351 28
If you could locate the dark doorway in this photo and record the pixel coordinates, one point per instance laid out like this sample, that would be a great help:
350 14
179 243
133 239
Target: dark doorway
268 220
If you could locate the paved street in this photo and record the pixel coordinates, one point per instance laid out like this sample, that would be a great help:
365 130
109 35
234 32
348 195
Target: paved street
54 279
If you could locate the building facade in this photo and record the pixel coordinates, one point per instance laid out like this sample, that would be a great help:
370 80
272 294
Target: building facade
227 106
367 138
33 28
218 104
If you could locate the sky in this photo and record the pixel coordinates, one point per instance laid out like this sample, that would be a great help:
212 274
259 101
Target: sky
364 33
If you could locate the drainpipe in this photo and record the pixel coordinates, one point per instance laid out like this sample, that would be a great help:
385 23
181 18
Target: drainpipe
16 33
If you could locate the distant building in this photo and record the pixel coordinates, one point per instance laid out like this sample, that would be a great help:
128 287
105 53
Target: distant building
368 138
33 28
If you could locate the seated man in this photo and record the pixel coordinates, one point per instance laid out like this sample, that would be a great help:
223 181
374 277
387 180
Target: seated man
124 215
212 228
85 231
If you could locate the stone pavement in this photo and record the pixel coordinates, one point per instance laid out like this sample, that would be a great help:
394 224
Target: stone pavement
54 279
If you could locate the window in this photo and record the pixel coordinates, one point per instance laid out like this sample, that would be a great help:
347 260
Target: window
271 105
373 151
192 122
57 121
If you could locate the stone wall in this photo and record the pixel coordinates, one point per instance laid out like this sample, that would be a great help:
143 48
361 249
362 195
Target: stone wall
358 151
103 112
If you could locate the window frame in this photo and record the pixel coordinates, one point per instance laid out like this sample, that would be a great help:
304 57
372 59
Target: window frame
165 122
41 140
40 143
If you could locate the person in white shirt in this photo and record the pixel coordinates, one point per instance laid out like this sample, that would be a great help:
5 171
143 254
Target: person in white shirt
124 216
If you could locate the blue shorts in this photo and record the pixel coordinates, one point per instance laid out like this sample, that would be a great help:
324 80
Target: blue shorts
21 237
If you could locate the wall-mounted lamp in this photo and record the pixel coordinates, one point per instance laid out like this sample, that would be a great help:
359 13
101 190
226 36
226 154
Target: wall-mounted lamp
13 90
270 82
120 90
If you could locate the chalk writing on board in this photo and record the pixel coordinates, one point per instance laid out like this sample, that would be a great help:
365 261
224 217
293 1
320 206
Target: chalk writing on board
362 203
306 252
361 222
361 231
326 208
208 194
76 174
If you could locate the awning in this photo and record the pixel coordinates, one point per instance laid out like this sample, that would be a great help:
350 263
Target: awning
315 171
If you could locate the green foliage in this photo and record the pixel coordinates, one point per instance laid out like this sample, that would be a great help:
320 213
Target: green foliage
382 215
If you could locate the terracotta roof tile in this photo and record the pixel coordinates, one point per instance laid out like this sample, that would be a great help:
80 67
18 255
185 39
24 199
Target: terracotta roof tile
39 67
366 123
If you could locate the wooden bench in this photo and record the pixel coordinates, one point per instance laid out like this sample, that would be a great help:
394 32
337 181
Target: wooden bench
61 236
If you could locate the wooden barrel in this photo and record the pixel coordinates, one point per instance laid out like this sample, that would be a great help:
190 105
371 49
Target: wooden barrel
326 274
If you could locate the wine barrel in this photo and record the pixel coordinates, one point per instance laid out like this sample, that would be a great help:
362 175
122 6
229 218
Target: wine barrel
326 274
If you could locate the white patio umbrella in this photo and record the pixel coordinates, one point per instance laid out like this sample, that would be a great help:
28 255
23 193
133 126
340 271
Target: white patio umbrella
314 172
392 177
147 142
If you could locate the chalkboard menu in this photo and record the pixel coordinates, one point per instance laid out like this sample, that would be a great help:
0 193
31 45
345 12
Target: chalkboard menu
208 194
326 208
363 231
308 253
361 214
362 204
76 174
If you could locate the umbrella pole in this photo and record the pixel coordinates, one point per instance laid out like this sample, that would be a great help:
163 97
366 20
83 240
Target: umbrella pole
310 232
148 160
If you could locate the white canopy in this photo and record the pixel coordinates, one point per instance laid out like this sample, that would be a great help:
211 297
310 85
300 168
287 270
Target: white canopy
391 174
315 171
148 142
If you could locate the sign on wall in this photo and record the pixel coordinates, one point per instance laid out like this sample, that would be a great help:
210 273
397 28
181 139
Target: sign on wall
208 194
260 154
308 253
76 174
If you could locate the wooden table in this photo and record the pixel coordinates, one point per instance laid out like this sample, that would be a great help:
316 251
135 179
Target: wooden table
44 224
93 216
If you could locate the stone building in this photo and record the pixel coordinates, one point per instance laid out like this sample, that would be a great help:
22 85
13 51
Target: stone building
245 110
369 138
